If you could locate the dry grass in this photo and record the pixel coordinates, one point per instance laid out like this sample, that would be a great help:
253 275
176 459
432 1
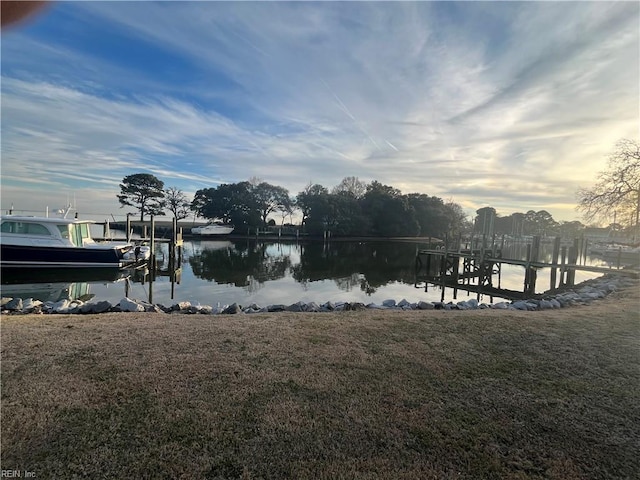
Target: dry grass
483 394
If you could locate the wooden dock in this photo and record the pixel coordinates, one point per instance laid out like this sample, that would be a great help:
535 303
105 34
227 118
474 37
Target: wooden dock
478 268
148 230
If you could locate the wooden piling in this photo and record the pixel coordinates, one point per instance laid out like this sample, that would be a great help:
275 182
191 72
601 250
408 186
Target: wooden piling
173 244
151 284
128 227
554 261
585 250
533 272
573 260
455 272
174 233
528 277
152 257
535 248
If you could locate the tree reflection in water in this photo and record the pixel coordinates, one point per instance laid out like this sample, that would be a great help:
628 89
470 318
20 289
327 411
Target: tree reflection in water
246 265
351 265
367 265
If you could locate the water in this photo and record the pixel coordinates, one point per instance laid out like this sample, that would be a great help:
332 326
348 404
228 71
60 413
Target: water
246 272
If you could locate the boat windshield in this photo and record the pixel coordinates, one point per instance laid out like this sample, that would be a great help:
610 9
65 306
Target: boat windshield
77 233
64 231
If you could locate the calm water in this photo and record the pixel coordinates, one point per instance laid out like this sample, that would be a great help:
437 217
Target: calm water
266 273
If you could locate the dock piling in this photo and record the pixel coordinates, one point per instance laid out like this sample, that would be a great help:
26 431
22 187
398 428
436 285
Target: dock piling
440 266
128 227
152 258
554 261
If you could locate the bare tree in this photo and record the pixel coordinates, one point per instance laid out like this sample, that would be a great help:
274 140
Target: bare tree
255 181
351 186
177 203
618 187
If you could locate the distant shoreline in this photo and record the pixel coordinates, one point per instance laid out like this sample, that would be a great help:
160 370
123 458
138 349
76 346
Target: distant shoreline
186 226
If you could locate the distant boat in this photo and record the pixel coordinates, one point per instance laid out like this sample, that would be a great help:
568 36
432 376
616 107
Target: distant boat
626 255
29 241
213 228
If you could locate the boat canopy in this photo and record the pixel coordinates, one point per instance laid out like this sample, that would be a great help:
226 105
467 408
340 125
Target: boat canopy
77 232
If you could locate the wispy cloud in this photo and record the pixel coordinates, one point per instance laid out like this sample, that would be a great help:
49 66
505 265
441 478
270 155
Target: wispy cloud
483 102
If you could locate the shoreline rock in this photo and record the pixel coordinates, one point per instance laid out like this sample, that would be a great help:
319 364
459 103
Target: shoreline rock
581 294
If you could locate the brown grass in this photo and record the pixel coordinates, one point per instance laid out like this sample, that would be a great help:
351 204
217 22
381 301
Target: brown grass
482 394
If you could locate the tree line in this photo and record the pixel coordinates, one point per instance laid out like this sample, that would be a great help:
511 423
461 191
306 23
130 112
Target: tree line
542 223
353 207
356 208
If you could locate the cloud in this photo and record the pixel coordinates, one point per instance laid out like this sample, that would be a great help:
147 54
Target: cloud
446 98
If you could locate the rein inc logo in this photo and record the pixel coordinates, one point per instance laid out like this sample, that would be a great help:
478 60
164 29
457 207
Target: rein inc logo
17 474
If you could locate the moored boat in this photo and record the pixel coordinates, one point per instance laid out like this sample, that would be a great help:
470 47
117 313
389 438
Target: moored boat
29 241
624 254
213 228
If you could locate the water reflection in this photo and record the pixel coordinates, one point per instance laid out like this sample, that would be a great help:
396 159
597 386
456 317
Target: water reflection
247 265
54 284
262 272
49 291
365 265
14 276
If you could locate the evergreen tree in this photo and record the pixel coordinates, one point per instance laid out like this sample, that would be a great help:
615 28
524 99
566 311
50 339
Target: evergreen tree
143 191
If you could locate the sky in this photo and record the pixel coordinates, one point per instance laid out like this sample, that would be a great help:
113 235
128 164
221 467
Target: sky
513 105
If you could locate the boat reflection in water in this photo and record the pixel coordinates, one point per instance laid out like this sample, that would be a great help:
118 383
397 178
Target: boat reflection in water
54 284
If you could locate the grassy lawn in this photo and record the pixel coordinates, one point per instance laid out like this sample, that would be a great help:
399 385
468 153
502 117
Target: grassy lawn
416 395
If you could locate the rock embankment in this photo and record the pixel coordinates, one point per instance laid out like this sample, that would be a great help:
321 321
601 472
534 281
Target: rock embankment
582 294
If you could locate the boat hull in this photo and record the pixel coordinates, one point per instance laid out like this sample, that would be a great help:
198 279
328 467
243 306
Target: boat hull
20 275
212 230
41 256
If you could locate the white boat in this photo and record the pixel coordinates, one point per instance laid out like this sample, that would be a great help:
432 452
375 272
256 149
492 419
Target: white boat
213 228
29 241
624 254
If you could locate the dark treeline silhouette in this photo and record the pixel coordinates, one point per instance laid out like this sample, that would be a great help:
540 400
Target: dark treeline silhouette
487 221
352 208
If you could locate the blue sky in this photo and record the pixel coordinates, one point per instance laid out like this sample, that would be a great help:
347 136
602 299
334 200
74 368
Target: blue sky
510 105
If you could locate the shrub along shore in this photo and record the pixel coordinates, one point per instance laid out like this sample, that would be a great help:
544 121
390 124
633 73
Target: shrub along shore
549 394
